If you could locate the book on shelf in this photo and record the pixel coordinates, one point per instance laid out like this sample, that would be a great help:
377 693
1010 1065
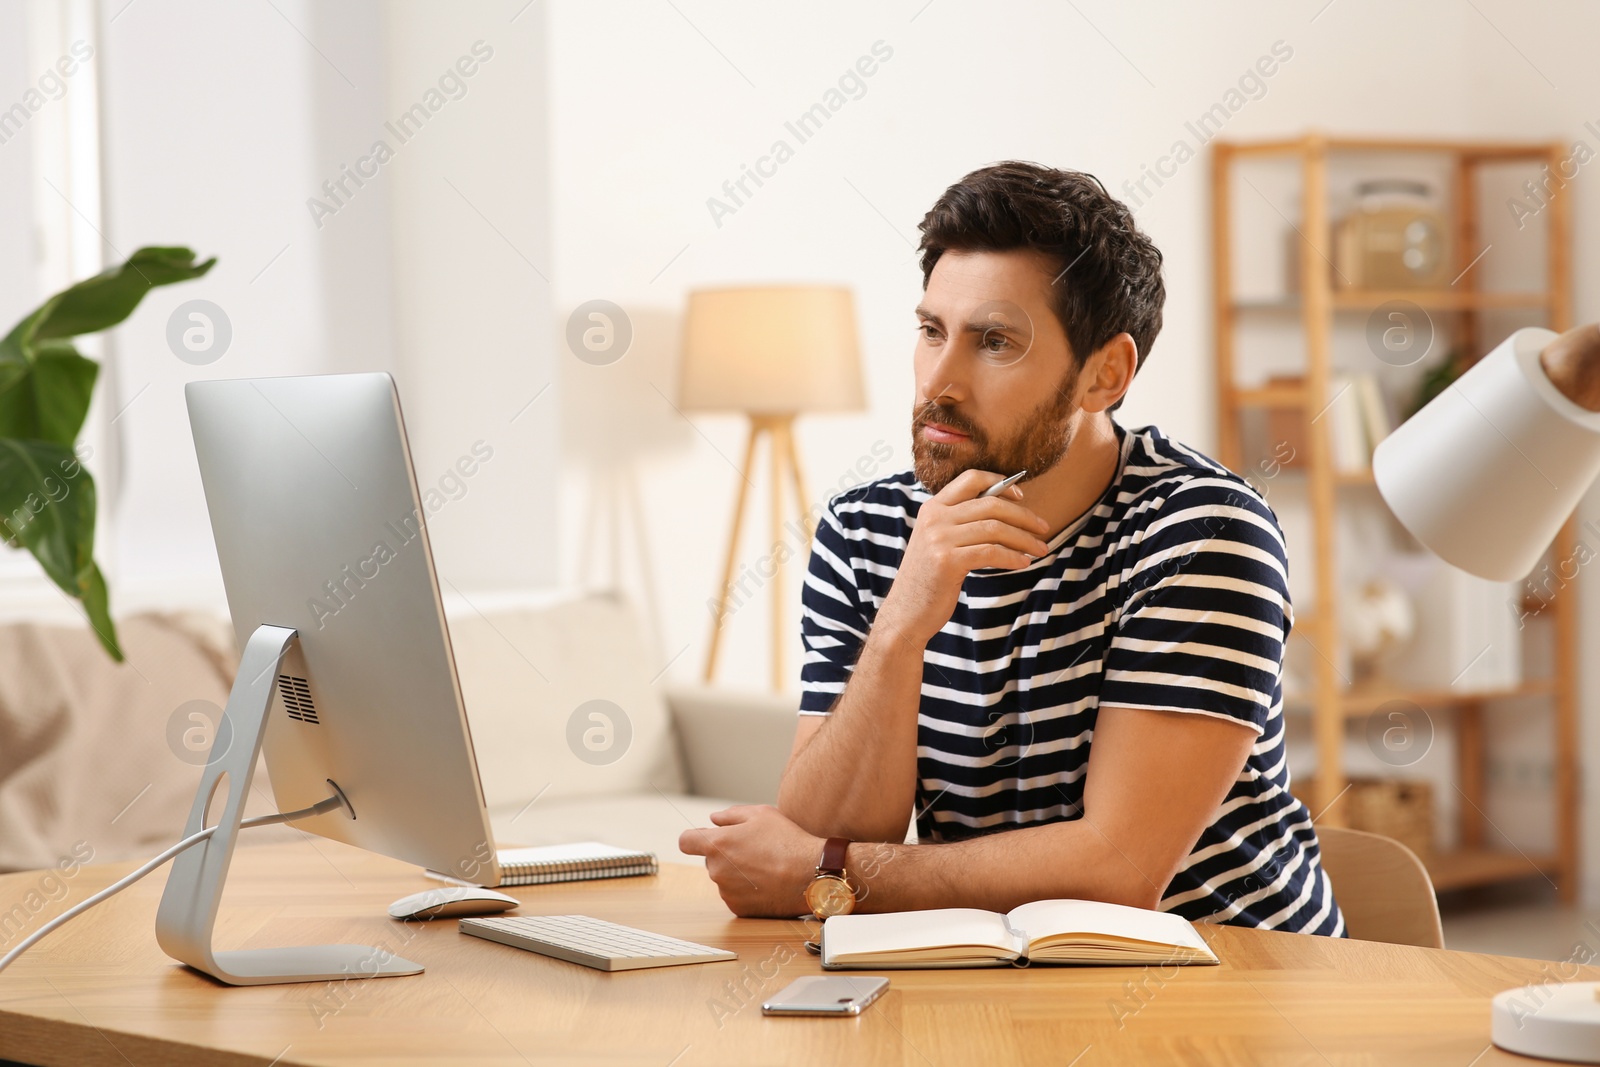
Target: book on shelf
1358 418
1045 931
546 864
1347 437
1374 412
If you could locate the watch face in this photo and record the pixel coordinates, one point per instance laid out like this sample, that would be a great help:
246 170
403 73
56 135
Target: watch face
830 895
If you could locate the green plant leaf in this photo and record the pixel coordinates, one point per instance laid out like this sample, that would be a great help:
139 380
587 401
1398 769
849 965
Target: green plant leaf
110 296
1435 380
47 505
97 606
63 383
54 410
47 499
15 364
50 402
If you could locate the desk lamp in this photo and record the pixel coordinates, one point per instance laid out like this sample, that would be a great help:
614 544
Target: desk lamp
1484 476
769 352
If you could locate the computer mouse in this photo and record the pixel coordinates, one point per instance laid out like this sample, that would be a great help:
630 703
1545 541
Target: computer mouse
451 902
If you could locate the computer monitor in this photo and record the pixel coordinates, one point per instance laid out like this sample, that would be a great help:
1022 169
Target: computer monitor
346 679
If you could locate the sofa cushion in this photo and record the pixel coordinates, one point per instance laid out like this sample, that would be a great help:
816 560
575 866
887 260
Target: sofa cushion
105 754
735 744
561 704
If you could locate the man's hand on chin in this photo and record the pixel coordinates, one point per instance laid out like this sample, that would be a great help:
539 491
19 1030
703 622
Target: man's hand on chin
760 860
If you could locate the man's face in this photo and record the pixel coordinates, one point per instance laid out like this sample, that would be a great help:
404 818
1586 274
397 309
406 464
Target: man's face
996 378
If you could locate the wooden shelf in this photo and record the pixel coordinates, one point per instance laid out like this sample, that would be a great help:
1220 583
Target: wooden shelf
1356 702
1271 396
1364 476
1308 625
1447 299
1435 299
1532 607
1325 319
1472 150
1468 867
1360 477
1359 701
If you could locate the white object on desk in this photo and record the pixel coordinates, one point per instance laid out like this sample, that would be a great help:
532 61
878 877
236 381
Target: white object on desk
1559 1021
605 946
546 864
452 902
383 706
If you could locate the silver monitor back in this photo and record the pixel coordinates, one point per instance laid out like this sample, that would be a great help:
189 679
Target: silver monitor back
319 527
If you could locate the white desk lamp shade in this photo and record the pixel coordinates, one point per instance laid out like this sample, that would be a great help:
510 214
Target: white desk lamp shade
1487 472
771 350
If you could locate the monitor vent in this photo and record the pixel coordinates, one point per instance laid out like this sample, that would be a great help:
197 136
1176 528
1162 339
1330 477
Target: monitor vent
296 695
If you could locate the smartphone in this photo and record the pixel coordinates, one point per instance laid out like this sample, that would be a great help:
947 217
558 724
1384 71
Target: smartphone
822 994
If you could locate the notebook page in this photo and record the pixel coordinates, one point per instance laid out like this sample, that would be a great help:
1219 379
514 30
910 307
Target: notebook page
850 935
1047 918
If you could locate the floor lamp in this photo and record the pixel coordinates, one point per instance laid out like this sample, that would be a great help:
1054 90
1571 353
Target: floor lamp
772 353
1484 476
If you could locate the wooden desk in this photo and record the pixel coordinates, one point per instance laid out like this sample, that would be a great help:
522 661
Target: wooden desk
100 992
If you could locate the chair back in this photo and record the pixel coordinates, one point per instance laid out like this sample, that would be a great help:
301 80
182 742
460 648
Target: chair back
1382 888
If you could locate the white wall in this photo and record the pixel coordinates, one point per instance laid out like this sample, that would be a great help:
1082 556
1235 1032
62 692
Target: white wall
219 122
472 299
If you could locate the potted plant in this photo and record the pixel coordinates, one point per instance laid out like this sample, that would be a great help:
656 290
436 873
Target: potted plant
47 498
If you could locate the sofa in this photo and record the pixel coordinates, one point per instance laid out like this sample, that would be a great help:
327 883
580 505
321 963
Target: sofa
104 757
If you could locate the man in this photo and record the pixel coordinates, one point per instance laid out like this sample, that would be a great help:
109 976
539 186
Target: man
1074 685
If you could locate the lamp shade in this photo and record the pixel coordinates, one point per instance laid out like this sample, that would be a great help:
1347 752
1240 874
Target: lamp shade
1487 472
771 350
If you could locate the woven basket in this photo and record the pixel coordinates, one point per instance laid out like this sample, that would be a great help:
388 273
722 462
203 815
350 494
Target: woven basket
1397 808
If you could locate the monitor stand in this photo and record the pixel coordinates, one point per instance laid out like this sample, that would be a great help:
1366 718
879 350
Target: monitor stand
188 913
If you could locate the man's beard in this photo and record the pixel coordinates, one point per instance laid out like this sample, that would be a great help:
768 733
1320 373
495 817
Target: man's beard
1044 437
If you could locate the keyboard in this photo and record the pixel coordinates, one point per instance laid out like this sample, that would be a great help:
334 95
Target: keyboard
605 946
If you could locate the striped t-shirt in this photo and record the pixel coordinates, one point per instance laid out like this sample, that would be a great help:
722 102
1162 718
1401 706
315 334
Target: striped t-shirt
1170 593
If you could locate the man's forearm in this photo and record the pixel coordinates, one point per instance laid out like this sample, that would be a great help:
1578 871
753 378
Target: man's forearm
857 777
1000 871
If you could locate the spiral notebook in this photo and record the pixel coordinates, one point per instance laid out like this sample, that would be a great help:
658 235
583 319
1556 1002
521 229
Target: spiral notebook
545 864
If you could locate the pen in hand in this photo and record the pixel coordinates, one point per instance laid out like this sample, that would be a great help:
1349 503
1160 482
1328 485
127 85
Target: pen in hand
1001 486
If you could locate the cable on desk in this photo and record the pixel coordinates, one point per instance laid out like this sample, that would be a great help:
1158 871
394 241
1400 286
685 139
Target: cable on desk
319 808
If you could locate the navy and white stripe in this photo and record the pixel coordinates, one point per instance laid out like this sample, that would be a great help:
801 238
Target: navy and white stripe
1170 593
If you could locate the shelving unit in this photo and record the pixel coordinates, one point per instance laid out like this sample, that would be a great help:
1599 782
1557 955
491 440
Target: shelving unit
1333 703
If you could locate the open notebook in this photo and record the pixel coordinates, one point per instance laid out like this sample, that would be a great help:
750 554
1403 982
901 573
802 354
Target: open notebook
1046 931
545 864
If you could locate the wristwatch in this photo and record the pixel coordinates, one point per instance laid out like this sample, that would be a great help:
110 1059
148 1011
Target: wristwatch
830 892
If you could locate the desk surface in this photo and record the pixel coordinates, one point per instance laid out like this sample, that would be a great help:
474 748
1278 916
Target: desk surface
100 991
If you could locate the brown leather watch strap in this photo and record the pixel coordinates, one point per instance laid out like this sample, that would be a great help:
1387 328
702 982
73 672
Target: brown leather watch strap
833 853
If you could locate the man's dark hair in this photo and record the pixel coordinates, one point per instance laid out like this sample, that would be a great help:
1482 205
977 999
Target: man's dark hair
1107 275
